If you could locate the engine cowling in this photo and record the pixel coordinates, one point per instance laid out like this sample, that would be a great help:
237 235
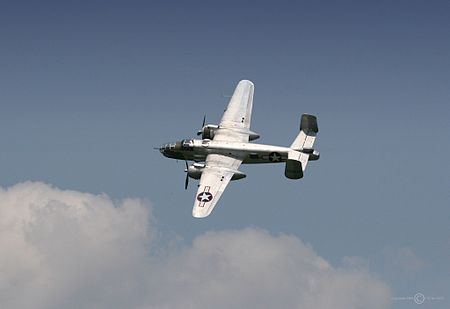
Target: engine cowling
208 131
195 170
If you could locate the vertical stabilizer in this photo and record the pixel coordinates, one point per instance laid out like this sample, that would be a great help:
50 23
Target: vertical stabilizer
308 131
302 148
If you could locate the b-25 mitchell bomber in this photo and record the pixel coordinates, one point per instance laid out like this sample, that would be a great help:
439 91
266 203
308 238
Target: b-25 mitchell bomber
224 147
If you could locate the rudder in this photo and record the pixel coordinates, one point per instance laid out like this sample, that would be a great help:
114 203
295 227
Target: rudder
308 131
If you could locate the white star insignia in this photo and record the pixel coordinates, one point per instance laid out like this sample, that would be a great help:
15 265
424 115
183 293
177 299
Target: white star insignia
275 157
205 197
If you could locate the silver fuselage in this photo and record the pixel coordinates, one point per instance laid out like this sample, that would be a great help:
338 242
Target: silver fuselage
197 150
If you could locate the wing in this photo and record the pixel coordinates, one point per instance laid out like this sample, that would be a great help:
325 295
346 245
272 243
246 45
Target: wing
235 123
215 177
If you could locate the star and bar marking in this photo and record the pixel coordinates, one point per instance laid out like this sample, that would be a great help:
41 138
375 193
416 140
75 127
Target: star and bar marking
204 197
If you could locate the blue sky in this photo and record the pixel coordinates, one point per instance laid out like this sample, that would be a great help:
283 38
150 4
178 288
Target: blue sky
88 89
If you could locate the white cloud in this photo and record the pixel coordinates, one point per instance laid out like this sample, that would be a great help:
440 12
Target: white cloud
67 249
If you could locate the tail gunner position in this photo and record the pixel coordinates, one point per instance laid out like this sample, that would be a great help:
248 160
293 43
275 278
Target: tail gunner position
222 149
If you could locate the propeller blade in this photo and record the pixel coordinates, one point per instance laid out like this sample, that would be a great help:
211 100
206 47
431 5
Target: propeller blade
199 132
186 182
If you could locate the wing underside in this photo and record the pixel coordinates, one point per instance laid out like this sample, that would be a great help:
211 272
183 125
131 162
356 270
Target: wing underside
219 169
235 123
217 174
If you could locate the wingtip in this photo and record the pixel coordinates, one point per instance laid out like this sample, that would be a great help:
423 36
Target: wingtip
246 81
199 214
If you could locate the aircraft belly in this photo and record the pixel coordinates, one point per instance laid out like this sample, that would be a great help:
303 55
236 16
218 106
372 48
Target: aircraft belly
249 153
192 156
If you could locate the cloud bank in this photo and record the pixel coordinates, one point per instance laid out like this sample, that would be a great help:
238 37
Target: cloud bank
67 249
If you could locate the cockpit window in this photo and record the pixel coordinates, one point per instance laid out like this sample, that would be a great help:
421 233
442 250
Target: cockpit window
187 144
170 146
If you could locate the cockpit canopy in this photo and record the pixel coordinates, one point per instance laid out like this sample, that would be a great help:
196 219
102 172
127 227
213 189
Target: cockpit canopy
185 144
167 147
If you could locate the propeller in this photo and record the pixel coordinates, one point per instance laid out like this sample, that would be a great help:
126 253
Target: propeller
199 132
186 182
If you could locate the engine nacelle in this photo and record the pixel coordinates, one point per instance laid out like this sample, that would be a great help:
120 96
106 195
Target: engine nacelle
238 175
195 171
252 136
208 131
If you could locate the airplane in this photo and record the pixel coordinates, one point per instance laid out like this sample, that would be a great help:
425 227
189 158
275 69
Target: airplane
224 147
